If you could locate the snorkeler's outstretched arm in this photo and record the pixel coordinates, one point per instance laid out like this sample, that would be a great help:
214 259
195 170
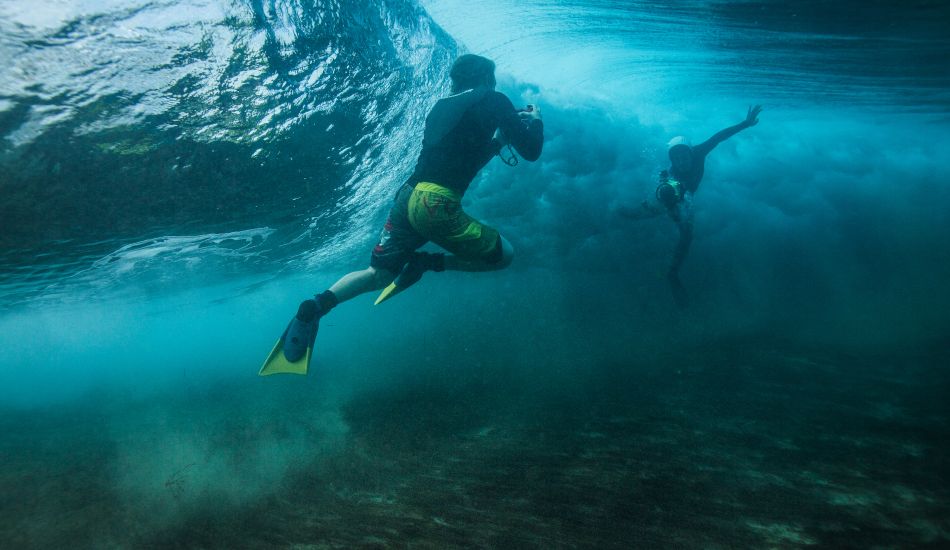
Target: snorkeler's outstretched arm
751 119
523 129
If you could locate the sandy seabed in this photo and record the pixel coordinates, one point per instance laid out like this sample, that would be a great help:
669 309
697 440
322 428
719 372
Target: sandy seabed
734 447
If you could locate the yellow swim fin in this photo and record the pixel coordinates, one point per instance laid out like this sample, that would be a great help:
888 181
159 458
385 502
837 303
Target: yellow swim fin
387 293
277 362
409 275
294 348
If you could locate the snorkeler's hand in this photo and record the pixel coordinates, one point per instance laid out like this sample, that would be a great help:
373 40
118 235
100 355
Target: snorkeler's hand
531 112
752 117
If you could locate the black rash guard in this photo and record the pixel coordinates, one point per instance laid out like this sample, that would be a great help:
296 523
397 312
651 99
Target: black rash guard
691 178
455 159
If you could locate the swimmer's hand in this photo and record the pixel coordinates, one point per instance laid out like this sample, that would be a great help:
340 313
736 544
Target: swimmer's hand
531 112
752 117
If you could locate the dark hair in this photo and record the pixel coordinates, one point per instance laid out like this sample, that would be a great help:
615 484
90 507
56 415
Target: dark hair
469 71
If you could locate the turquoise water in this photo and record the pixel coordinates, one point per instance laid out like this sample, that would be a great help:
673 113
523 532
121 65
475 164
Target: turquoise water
177 176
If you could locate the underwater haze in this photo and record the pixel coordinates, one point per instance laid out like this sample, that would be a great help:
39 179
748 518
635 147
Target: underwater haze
176 176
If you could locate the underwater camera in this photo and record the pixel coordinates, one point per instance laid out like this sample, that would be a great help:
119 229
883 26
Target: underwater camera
670 191
501 141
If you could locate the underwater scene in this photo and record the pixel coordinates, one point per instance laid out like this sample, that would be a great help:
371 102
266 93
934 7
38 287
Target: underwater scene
692 293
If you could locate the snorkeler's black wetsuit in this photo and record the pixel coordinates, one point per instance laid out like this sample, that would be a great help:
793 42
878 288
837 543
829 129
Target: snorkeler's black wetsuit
457 144
682 210
456 158
697 169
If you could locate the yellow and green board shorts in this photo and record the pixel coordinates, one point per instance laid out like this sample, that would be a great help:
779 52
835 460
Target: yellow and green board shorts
431 212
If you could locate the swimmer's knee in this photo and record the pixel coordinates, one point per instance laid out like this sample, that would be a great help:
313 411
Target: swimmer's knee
502 255
381 277
507 253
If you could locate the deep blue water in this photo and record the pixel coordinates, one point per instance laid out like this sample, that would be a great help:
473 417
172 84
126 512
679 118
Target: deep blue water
177 176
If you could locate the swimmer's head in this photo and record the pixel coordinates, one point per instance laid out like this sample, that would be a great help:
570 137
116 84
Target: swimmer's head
681 154
471 71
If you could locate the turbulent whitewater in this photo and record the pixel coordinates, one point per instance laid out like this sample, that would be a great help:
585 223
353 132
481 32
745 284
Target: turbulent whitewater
176 176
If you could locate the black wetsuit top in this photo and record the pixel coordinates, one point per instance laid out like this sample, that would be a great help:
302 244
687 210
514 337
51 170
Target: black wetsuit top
694 175
454 160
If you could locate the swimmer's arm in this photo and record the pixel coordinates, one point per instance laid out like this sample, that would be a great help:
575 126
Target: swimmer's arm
751 120
523 130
